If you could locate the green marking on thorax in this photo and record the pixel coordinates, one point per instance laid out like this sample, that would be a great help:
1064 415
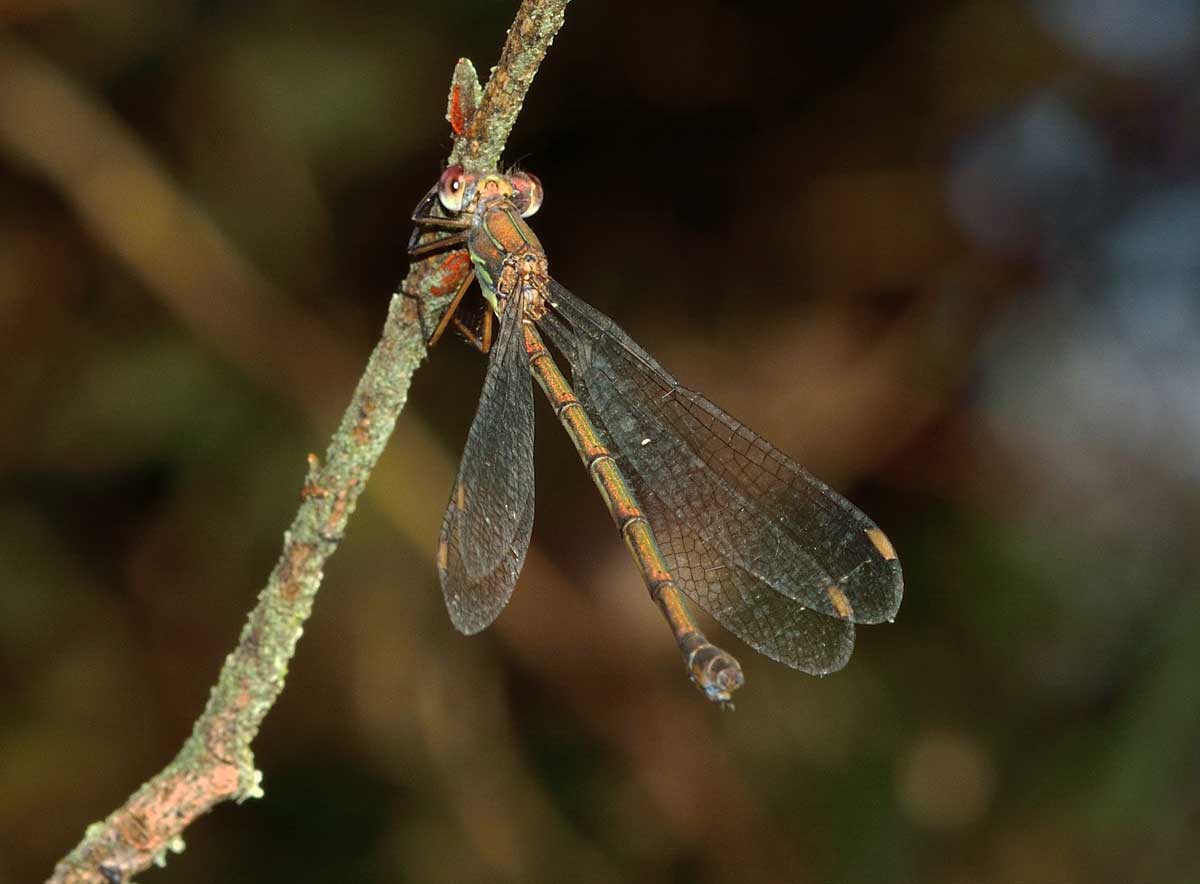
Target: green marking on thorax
487 268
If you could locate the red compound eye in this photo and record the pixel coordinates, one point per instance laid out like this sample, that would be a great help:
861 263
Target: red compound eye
451 187
529 188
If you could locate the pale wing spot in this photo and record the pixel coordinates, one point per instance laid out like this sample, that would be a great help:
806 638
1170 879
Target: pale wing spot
460 497
841 604
880 541
443 556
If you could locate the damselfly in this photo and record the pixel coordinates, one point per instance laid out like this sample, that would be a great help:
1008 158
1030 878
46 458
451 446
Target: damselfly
709 509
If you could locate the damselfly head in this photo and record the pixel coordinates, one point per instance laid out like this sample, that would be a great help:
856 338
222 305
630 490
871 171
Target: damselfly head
459 190
452 187
528 196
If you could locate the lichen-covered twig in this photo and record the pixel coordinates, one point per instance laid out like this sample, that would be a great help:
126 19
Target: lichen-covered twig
216 763
528 39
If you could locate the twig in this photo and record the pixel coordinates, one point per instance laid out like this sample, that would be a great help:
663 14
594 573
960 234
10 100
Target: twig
528 39
216 763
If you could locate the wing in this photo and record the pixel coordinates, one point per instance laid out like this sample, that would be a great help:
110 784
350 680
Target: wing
486 528
744 523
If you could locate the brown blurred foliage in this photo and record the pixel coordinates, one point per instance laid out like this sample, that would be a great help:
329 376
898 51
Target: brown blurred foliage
942 253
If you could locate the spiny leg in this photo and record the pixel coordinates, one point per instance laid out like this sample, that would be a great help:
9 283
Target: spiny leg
488 319
423 215
437 245
425 221
452 309
481 342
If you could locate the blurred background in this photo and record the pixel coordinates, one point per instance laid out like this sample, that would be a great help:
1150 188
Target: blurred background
945 254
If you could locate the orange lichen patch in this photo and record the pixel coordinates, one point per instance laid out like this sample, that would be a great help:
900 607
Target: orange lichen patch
134 831
441 289
841 604
463 101
152 821
339 512
450 273
224 779
880 541
221 730
456 260
362 427
294 558
455 115
311 487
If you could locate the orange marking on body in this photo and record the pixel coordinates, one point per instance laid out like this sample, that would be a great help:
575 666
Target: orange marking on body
841 604
880 541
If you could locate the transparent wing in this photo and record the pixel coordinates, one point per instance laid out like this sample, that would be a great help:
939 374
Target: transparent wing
744 504
474 602
488 522
773 624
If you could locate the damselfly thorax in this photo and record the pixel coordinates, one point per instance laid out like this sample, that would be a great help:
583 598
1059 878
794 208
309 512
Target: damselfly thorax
506 256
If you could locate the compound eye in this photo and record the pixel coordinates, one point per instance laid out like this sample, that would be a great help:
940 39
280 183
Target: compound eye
530 190
451 187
